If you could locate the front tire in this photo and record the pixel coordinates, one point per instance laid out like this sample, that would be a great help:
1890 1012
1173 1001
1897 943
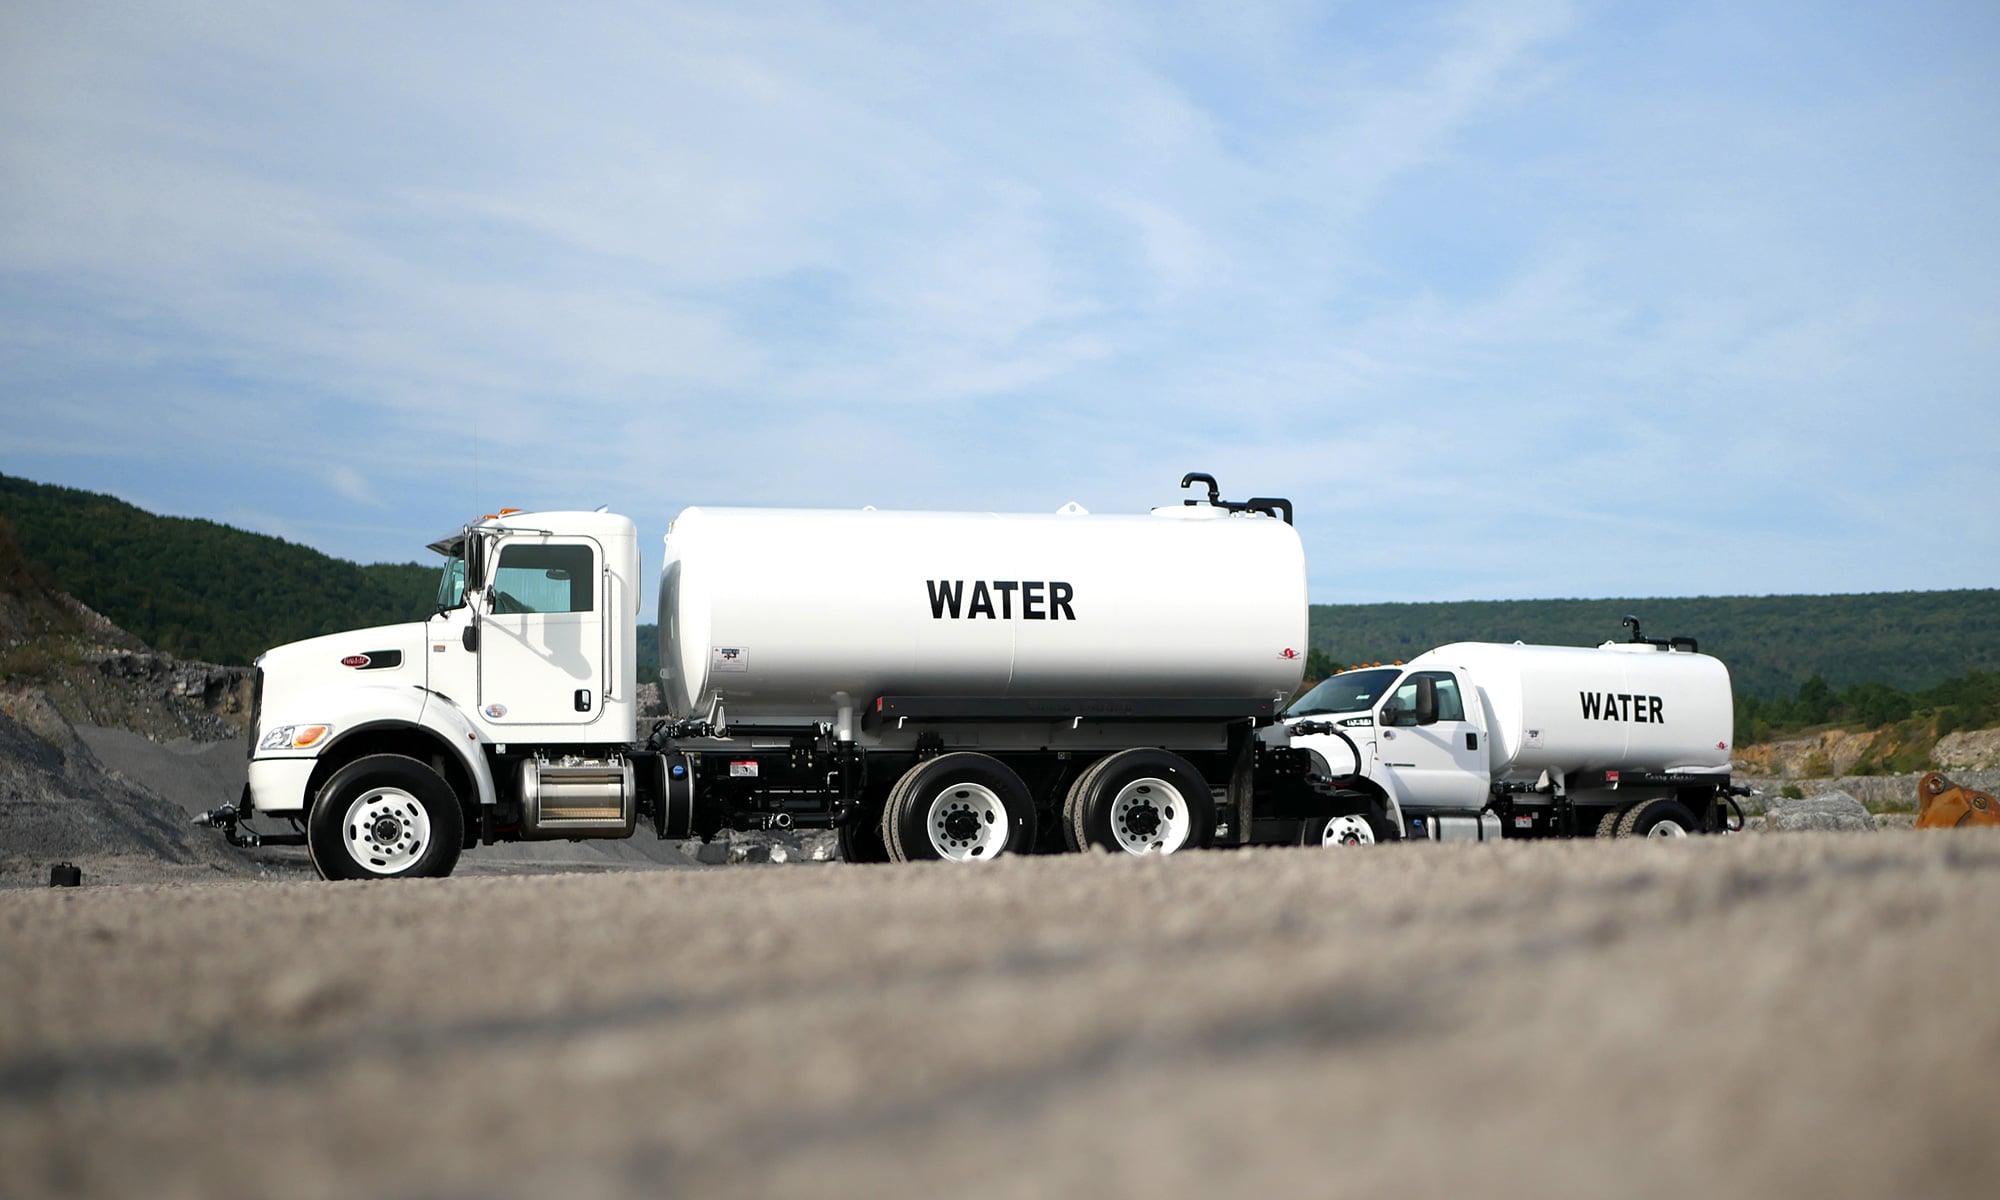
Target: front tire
1140 801
385 817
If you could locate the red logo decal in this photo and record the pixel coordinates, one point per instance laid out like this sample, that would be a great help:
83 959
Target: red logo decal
355 660
1288 653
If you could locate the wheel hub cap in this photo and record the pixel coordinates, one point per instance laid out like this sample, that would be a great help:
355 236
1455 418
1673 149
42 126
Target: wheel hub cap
386 831
967 821
1150 816
1347 831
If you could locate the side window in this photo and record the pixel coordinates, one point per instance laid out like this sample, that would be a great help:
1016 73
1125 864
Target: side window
1401 708
1450 706
545 579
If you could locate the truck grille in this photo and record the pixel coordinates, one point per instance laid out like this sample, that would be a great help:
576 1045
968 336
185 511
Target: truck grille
256 713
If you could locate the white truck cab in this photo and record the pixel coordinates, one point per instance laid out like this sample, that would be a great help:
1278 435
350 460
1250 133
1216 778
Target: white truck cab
532 641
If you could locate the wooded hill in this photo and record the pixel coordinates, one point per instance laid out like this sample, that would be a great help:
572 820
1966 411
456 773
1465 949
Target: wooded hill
202 590
1773 645
199 590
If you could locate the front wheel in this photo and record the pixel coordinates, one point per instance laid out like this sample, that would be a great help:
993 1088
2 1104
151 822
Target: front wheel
384 817
1140 801
1356 829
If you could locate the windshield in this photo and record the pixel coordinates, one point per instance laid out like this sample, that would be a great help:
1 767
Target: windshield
1351 691
451 586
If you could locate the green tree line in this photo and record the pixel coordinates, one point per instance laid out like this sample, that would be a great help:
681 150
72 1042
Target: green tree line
203 590
1969 701
198 589
1772 645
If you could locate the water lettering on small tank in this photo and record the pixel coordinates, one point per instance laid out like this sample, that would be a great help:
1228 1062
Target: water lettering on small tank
1621 706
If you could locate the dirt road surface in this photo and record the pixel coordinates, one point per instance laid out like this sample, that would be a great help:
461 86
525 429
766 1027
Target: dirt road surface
1790 1015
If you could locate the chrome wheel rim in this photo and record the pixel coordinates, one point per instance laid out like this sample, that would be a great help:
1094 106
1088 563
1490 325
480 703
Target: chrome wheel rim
967 823
1347 831
1150 816
386 831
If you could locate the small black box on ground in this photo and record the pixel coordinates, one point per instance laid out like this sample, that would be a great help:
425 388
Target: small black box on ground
65 875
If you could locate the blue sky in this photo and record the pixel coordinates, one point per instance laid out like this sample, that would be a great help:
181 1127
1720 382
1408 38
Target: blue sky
1512 300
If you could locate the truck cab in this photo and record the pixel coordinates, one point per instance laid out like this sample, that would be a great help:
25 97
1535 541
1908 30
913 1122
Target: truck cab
1418 736
392 748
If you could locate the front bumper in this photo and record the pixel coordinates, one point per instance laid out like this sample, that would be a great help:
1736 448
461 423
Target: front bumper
278 785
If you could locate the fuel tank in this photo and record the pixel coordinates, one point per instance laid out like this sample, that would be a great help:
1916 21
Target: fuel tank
1619 706
790 611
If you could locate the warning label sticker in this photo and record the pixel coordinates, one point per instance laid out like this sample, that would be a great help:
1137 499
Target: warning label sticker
728 658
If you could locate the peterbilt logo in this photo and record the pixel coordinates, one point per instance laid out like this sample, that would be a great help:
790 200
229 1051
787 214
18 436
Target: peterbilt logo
1621 706
1041 600
374 660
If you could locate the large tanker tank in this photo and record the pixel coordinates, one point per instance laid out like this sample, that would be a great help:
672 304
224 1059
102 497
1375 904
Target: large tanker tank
1620 706
789 612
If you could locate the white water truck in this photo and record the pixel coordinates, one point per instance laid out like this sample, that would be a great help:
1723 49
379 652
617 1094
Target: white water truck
929 685
1476 740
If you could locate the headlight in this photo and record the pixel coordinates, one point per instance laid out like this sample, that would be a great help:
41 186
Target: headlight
295 737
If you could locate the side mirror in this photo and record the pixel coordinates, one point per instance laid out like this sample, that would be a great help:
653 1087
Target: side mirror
475 563
1427 700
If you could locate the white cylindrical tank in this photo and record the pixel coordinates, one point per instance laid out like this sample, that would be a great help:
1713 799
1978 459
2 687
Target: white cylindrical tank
795 612
1629 706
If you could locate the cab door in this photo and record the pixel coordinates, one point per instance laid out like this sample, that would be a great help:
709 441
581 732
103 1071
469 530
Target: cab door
541 638
1441 765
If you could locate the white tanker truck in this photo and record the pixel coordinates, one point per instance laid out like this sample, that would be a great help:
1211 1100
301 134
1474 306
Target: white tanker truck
1475 741
930 685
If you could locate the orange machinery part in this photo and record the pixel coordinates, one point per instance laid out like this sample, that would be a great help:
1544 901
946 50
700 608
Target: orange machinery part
1942 804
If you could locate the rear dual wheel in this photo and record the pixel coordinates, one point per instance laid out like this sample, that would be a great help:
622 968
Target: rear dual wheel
1139 801
961 807
1658 818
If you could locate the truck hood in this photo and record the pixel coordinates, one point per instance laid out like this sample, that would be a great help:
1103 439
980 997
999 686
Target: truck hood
301 678
384 647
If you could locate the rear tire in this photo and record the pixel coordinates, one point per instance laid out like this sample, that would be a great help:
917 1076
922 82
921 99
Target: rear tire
1141 801
1607 825
860 841
1660 818
963 807
385 817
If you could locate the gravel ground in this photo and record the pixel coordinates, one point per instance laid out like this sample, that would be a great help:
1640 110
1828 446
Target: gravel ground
1806 1014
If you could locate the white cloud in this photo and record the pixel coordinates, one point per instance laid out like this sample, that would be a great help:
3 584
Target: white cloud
1497 292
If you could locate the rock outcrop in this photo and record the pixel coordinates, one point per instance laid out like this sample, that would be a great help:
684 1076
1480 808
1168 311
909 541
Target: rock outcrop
1968 749
1834 810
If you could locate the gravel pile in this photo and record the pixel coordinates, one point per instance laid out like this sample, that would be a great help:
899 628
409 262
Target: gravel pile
59 803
